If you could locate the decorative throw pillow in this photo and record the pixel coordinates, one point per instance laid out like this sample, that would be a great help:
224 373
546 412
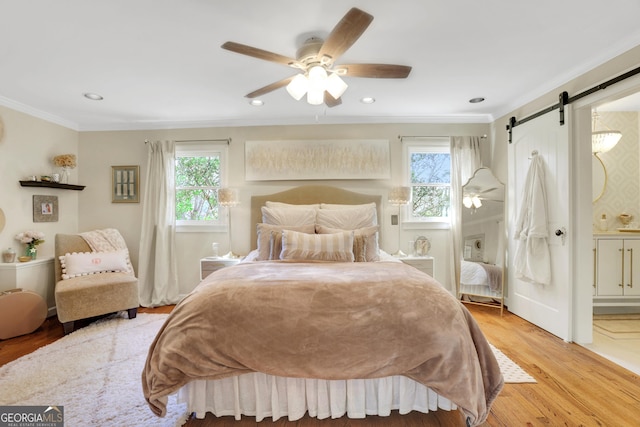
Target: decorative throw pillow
365 242
266 241
336 247
348 218
286 216
85 263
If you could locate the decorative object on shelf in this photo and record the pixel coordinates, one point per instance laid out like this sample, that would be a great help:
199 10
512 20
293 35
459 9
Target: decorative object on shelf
24 258
422 246
45 208
400 196
32 239
66 162
125 184
625 218
9 255
228 197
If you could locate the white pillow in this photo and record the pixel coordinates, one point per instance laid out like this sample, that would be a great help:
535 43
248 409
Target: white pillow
271 204
269 246
85 263
288 216
348 218
365 242
341 206
336 247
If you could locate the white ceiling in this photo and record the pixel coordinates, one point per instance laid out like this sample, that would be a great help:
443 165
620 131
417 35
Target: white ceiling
158 63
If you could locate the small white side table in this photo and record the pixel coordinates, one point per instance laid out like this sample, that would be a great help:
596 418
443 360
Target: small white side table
210 264
422 263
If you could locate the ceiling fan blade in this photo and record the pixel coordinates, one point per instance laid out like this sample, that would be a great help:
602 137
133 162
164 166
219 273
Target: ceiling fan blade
260 54
378 71
344 34
330 101
269 88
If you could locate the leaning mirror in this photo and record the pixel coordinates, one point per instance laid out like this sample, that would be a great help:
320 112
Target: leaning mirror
483 240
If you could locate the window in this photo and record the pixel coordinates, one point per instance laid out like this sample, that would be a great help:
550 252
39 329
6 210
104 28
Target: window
429 174
199 172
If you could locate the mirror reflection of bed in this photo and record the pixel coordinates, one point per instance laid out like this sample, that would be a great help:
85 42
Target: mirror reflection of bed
483 246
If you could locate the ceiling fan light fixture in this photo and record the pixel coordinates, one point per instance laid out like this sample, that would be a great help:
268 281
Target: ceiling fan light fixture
336 86
466 201
315 96
298 87
476 202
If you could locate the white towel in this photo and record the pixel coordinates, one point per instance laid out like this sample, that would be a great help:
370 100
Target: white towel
532 261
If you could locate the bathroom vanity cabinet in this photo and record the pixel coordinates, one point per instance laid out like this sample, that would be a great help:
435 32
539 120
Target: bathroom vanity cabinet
617 270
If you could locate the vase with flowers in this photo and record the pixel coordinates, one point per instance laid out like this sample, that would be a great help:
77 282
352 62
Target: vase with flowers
32 239
66 162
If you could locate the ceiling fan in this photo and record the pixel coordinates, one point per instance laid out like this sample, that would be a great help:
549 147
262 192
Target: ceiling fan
319 77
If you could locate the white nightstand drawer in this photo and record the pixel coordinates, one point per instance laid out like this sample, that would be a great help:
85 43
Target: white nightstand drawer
422 263
210 264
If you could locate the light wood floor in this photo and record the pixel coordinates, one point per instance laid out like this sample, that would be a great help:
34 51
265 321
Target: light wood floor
575 387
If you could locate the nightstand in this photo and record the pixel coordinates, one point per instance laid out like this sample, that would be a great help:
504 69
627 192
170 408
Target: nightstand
210 264
422 263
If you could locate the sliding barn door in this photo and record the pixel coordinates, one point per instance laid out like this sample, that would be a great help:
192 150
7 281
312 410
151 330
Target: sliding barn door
547 306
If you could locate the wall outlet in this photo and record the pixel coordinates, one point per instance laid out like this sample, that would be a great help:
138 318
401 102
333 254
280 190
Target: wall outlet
394 219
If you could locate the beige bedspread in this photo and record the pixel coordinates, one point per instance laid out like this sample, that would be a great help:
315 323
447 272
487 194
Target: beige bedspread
328 321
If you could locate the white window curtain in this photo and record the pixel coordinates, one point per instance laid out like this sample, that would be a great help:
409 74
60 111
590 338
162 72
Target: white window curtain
157 267
465 159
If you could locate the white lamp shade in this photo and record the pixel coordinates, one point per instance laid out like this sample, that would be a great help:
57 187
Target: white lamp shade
604 140
399 196
466 201
336 86
476 201
228 197
298 87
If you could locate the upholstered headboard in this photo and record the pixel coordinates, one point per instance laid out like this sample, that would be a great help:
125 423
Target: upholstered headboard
306 195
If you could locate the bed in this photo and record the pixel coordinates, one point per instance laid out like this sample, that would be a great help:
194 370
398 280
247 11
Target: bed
319 320
481 279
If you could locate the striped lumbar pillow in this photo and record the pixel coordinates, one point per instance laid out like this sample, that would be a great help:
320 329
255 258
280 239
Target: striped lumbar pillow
317 247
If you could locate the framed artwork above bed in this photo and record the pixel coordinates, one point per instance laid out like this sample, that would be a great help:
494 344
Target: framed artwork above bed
317 159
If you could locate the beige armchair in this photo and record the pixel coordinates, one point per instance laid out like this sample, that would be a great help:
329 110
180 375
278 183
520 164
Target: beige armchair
91 295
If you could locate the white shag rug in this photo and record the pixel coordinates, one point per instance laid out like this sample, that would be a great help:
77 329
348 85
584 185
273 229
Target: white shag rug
94 372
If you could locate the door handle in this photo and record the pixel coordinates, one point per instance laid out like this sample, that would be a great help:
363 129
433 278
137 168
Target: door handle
562 233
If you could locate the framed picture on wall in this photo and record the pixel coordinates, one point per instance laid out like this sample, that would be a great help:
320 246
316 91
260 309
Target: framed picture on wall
45 208
125 184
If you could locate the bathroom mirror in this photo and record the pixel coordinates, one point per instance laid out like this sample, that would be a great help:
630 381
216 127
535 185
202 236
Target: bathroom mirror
483 240
599 177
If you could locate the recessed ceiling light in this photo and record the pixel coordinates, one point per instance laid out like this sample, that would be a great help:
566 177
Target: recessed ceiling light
256 103
93 96
367 100
476 100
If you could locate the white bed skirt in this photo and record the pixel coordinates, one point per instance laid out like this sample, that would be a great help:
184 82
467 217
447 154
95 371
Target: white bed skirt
261 396
480 290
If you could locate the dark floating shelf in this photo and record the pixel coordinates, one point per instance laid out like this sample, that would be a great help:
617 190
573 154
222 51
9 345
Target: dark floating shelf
51 185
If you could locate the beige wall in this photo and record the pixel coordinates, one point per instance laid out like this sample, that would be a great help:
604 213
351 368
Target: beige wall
26 149
101 150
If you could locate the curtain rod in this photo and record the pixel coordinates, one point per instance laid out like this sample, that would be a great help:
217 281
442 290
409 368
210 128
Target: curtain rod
401 137
564 99
227 140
